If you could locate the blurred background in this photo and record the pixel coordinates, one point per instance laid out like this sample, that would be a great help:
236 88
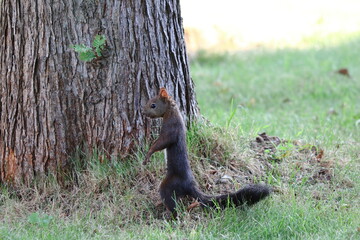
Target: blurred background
239 24
281 66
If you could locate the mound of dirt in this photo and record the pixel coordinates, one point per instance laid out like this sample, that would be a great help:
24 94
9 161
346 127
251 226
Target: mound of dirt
308 159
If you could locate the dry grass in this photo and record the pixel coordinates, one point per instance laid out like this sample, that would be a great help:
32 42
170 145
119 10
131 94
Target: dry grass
127 193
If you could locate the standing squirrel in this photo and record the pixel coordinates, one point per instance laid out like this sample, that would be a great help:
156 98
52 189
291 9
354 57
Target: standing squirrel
179 181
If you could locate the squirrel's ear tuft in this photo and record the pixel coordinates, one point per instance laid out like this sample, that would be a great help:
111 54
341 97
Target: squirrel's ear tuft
163 93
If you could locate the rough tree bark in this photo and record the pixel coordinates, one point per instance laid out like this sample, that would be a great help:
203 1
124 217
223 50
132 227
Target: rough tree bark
51 102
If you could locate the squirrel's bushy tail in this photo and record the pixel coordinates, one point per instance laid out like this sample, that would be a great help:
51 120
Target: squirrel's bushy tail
249 195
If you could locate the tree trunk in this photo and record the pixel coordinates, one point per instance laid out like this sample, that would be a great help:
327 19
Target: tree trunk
51 102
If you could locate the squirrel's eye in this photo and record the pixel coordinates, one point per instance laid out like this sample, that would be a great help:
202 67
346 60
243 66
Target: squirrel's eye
153 105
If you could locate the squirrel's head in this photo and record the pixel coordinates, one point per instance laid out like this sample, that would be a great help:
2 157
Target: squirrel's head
157 106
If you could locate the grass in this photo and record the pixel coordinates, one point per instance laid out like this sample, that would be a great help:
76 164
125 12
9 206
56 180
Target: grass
293 94
298 89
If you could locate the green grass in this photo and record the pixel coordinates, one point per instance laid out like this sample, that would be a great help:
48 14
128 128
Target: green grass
294 94
285 92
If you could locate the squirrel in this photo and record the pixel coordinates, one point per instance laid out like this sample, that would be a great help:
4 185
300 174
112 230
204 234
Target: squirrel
179 181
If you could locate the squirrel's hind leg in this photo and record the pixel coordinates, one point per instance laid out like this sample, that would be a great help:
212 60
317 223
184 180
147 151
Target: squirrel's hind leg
170 192
170 205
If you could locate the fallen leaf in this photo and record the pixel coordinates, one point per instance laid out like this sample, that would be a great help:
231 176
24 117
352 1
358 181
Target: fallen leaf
344 72
320 154
212 171
193 205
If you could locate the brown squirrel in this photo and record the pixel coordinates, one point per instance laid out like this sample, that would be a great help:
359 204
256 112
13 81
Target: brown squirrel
179 181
